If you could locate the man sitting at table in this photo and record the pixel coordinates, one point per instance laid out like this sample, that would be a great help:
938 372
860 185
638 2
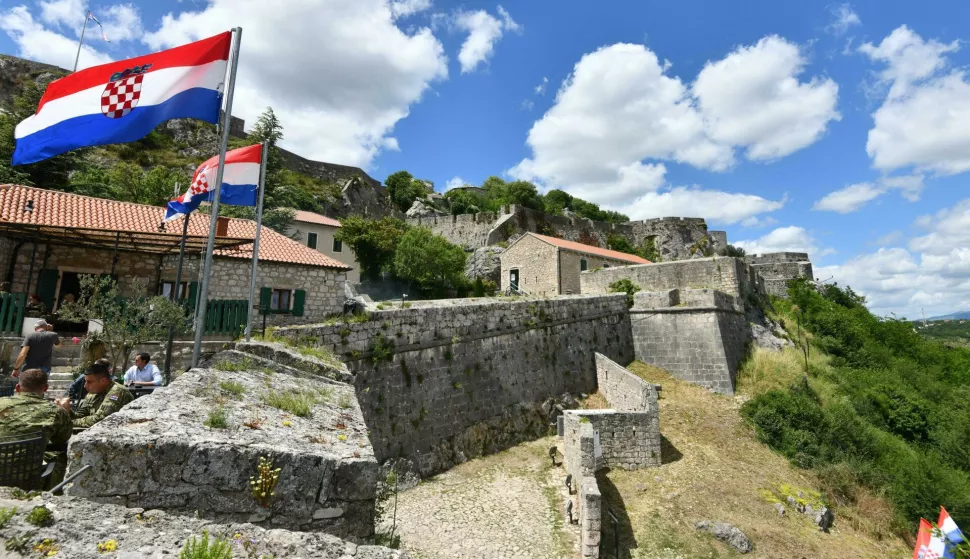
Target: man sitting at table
143 373
28 412
104 397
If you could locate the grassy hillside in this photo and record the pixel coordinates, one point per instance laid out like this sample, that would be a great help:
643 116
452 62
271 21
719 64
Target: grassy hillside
954 332
716 469
882 413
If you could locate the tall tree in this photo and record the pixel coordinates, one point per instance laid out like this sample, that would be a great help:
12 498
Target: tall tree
404 189
430 261
373 242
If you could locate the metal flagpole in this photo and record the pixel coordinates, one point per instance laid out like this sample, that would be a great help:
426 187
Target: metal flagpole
80 41
259 227
175 296
213 219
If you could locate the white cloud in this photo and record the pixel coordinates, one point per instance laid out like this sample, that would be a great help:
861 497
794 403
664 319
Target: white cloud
484 30
337 101
36 42
843 17
784 239
753 98
924 121
713 205
755 221
68 13
541 88
932 272
455 182
404 8
891 238
910 186
528 104
619 110
849 199
121 22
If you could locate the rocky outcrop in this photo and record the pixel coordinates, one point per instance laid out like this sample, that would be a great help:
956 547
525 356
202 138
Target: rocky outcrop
727 533
484 263
82 529
420 208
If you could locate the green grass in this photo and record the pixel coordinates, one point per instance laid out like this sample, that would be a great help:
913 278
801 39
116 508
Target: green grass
243 364
218 419
202 548
6 515
298 402
345 401
233 387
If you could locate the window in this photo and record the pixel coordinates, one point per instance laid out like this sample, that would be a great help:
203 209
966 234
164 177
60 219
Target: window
168 286
280 300
338 245
311 240
583 265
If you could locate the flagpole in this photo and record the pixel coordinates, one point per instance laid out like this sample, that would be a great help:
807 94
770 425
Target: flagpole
259 228
76 58
214 209
175 295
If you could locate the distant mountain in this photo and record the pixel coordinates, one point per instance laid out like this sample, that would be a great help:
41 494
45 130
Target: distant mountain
953 316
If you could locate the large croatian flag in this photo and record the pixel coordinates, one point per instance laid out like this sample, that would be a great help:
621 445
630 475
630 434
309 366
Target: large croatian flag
240 182
123 101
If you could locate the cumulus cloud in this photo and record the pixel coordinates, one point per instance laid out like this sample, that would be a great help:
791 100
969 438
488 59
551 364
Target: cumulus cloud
484 30
931 272
849 199
337 101
541 88
843 17
68 13
924 121
404 8
619 115
36 42
455 182
753 98
784 239
122 22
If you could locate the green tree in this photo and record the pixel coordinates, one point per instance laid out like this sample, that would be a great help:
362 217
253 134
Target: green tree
556 201
466 202
523 193
268 128
430 261
404 189
734 251
373 242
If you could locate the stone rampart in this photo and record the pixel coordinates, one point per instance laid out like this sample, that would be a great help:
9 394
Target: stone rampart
622 389
444 381
729 275
590 517
779 268
698 335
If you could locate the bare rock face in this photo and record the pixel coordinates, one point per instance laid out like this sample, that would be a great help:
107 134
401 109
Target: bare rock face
727 533
80 526
421 208
484 263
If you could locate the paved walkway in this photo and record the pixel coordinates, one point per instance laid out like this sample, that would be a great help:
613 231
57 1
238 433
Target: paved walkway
505 506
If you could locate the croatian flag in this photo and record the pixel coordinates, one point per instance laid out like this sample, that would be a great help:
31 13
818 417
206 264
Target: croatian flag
929 545
949 527
123 101
240 182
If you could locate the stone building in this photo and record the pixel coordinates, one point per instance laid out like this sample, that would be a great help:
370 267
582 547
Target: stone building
541 265
317 232
778 268
49 238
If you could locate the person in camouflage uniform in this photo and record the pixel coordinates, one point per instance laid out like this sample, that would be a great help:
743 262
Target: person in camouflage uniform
104 397
28 412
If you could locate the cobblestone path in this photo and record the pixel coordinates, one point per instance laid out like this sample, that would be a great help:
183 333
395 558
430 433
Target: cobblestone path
505 506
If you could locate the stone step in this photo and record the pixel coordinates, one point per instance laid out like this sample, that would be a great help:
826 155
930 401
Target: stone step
61 376
58 384
65 361
62 370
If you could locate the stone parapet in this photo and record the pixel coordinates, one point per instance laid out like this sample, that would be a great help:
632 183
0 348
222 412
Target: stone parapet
725 274
590 517
622 389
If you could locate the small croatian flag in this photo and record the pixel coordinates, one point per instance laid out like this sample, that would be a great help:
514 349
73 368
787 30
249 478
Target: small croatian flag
240 181
95 20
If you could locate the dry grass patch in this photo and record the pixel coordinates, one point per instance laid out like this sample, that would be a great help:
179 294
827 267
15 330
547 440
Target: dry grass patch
715 469
766 370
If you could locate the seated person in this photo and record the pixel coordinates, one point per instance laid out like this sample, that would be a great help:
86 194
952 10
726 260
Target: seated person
35 307
143 373
104 397
28 412
76 390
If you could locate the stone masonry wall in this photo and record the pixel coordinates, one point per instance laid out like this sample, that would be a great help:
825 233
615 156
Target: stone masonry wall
674 237
6 253
579 451
779 268
698 335
142 268
538 265
622 389
729 275
230 280
444 381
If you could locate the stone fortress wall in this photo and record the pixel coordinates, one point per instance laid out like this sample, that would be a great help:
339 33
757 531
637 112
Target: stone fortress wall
448 380
779 268
728 275
675 238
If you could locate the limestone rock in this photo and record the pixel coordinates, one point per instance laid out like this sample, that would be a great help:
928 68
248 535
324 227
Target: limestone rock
421 208
727 533
824 519
484 263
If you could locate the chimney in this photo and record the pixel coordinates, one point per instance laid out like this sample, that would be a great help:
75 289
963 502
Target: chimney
222 226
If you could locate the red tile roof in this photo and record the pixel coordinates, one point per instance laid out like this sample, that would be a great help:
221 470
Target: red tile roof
587 249
61 209
310 217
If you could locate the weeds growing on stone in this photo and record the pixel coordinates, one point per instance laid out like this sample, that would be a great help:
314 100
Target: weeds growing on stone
6 515
382 349
297 402
345 401
202 548
217 419
18 544
47 547
109 546
40 516
228 366
233 387
264 482
21 495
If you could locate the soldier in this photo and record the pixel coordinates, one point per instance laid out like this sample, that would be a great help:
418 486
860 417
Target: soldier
28 412
104 397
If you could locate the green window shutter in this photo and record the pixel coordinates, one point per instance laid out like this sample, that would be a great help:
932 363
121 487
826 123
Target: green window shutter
298 300
46 286
311 240
193 294
265 298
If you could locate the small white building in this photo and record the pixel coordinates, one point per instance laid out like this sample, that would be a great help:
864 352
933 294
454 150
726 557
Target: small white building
317 232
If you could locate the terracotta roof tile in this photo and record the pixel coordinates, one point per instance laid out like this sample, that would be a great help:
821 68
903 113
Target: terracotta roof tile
62 209
310 217
604 252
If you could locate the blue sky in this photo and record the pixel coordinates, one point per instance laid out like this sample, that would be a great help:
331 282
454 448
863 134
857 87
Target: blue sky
838 129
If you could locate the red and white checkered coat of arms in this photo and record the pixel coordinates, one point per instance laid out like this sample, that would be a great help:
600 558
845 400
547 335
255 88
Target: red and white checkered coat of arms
121 96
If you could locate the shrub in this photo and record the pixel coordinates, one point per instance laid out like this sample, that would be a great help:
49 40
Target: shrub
218 419
625 286
200 548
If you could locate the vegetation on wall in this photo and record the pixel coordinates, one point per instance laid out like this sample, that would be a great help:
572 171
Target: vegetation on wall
624 286
429 261
404 189
881 410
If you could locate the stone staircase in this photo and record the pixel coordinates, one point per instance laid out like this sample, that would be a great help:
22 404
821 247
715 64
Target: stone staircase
66 359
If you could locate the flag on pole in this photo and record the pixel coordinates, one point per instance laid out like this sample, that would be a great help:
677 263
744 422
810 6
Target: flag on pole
240 182
928 545
123 101
95 20
949 528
